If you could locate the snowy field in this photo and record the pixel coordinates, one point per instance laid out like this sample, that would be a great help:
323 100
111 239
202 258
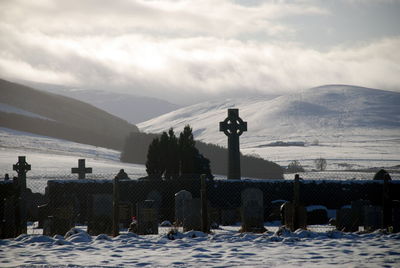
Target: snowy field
225 247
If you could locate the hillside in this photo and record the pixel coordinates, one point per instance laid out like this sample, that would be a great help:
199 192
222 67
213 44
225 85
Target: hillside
27 109
350 122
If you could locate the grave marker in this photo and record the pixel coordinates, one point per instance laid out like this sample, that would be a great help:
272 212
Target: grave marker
100 214
233 126
81 170
192 215
373 218
252 211
147 217
21 167
180 199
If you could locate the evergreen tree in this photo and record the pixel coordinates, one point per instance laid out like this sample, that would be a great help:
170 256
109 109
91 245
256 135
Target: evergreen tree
172 160
187 151
154 164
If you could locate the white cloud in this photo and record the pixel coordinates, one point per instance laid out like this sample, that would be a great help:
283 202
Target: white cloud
180 50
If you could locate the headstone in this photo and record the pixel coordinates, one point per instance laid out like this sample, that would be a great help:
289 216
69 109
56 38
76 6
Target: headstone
290 210
147 217
396 216
192 215
100 214
233 126
60 222
357 213
344 220
22 167
43 211
81 170
8 225
317 214
125 214
180 199
252 211
373 218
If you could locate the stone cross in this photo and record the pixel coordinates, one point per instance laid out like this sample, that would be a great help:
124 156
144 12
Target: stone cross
233 126
81 169
22 167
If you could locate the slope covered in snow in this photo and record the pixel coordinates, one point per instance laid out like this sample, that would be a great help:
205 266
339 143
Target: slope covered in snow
346 122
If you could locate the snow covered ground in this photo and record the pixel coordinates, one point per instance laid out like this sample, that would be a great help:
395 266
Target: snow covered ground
225 247
349 126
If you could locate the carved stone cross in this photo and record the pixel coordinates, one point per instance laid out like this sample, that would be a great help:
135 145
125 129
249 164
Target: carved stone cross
233 126
81 169
22 167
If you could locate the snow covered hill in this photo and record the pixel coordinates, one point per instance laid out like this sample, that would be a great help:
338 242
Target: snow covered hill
338 122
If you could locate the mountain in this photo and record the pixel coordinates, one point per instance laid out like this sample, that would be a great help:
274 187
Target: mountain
27 109
131 108
332 115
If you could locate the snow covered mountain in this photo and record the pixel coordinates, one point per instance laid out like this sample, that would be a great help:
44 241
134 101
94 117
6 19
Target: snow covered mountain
355 119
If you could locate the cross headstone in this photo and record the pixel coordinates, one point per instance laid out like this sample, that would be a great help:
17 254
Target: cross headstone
252 211
233 126
81 169
22 167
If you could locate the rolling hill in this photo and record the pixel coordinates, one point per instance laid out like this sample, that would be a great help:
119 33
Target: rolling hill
352 123
30 110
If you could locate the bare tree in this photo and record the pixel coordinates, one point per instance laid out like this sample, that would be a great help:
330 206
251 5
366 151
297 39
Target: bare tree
320 163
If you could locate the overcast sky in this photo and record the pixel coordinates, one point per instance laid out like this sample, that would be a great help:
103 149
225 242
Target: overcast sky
192 50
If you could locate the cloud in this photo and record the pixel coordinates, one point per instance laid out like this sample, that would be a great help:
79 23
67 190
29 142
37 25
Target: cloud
183 51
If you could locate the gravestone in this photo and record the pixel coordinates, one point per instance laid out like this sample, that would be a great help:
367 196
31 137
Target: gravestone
21 167
357 213
317 214
396 216
60 222
233 126
43 211
373 218
192 215
344 220
81 170
147 217
8 225
290 211
180 199
156 197
252 210
125 214
100 214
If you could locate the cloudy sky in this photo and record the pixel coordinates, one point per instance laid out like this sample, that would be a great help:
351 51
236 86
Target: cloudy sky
187 51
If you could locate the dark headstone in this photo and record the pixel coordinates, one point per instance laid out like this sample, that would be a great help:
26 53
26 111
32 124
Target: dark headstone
100 214
229 216
156 197
233 126
357 213
381 175
147 217
180 199
125 214
60 222
191 215
8 225
43 212
252 211
344 220
81 170
373 218
396 216
290 211
317 215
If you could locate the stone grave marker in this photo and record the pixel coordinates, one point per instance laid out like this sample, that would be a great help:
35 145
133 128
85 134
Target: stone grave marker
289 214
344 219
156 197
252 211
60 222
229 216
100 214
147 217
125 214
8 226
180 199
233 126
357 213
396 216
373 218
192 215
81 170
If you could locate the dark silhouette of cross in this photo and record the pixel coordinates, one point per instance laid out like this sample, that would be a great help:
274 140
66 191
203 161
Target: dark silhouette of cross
81 169
22 167
233 126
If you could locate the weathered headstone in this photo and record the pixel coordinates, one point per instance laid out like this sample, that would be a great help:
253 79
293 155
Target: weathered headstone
317 214
233 126
180 199
100 214
290 212
357 213
81 170
373 218
156 197
192 215
252 210
147 217
60 222
344 219
396 216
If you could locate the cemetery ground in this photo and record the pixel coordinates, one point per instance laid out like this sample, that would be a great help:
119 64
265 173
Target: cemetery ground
319 246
